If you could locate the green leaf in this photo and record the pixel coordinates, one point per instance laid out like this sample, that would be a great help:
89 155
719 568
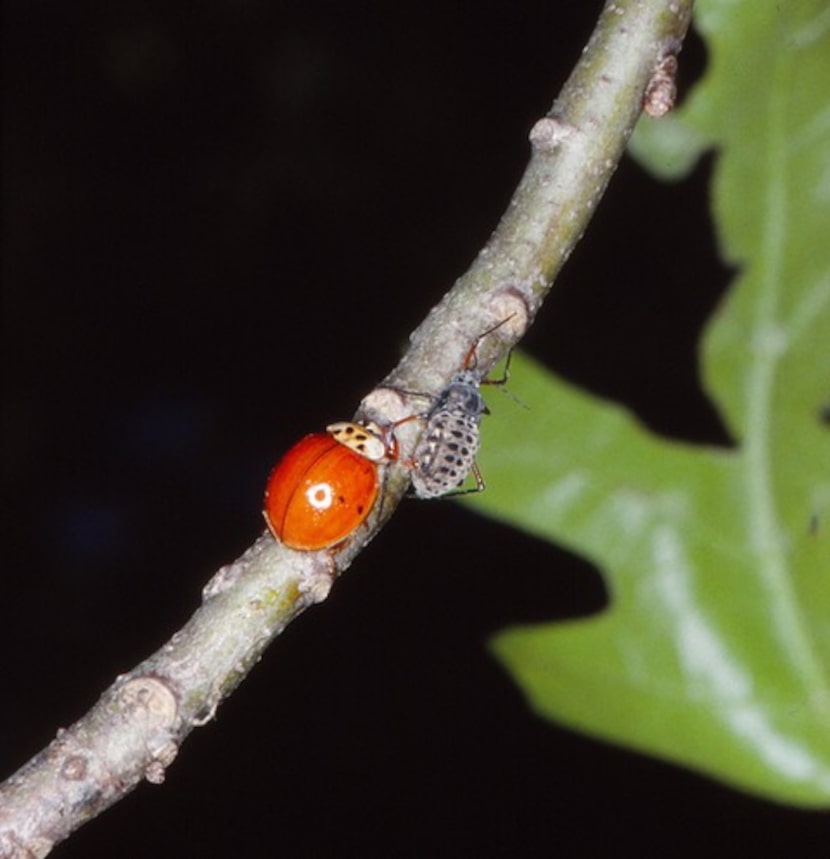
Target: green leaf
715 651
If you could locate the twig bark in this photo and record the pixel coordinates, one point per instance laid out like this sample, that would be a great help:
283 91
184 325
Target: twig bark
136 728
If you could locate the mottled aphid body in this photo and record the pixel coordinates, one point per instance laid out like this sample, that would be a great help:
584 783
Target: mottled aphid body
446 452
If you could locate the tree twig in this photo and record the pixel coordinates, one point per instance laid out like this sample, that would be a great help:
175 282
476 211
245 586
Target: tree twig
135 729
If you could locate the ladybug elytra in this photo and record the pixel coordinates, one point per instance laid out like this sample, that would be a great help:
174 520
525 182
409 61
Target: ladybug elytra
319 493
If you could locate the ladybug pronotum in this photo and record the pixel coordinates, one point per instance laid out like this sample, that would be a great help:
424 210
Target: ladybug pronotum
320 492
367 439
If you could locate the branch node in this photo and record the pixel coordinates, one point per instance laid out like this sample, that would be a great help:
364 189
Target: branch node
317 583
155 772
661 91
150 696
74 768
549 133
224 579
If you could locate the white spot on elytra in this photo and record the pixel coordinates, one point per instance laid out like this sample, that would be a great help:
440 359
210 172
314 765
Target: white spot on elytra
320 496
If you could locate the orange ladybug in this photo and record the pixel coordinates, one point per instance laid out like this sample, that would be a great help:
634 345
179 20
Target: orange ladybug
322 490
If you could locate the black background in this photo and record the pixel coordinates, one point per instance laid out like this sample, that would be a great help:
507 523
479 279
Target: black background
219 227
